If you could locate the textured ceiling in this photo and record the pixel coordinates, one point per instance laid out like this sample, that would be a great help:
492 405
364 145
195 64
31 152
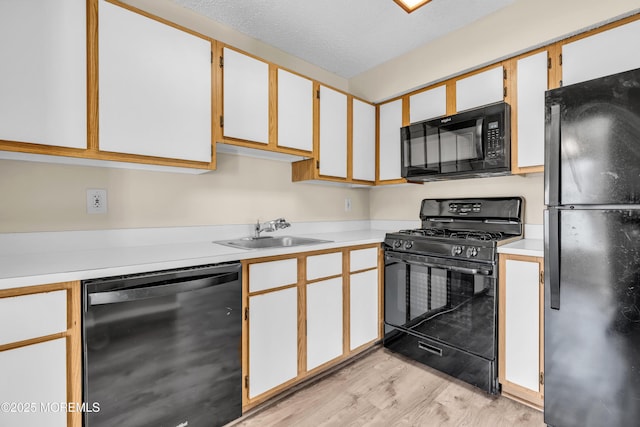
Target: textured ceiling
345 37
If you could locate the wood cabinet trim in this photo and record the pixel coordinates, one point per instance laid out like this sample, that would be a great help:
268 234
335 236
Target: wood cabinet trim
597 30
301 285
72 336
532 398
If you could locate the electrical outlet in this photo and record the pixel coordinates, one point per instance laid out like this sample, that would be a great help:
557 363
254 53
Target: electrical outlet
96 201
347 205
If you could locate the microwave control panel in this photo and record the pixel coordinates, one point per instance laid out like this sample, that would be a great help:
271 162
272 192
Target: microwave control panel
494 139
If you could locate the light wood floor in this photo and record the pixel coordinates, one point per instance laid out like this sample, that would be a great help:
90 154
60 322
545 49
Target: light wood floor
383 389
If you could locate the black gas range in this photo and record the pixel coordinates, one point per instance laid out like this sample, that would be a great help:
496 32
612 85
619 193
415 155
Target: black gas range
441 285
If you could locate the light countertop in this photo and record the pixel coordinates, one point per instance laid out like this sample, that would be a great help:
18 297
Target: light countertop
527 247
36 268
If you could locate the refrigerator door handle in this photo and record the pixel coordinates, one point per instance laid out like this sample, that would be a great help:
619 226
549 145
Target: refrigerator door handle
552 158
552 256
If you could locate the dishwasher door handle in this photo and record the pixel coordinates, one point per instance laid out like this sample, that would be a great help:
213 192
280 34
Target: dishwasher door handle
157 291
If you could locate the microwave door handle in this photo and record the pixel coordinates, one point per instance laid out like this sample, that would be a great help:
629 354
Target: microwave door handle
479 123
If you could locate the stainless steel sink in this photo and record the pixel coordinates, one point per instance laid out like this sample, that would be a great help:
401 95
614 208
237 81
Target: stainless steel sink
270 242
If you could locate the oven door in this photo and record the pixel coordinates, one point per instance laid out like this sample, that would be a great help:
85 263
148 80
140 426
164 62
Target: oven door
451 302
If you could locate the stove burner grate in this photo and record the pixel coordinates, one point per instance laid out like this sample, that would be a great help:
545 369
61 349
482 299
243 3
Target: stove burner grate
453 234
430 232
476 235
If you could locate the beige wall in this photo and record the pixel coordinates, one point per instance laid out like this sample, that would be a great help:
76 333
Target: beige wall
403 202
44 197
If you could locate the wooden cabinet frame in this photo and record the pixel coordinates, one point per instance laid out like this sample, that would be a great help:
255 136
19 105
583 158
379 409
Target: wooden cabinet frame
272 145
301 285
509 389
72 335
92 150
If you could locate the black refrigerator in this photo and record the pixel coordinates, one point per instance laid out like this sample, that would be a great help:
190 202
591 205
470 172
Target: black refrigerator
592 253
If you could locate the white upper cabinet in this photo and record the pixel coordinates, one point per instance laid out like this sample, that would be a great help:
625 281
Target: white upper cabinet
389 145
609 52
245 92
480 89
295 111
333 133
154 87
364 141
532 82
43 90
428 104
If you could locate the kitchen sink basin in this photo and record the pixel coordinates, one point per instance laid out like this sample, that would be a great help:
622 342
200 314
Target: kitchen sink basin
270 242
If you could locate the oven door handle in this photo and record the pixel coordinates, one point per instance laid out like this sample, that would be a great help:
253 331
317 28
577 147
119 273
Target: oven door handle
465 270
457 269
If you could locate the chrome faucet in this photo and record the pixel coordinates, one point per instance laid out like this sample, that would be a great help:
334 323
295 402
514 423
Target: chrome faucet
269 226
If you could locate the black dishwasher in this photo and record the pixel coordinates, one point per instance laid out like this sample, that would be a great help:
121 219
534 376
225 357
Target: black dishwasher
163 348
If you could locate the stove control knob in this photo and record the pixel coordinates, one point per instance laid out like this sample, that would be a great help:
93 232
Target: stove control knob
456 250
472 252
397 243
408 244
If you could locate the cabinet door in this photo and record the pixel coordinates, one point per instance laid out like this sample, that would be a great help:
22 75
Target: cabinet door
43 91
480 89
273 340
38 315
295 111
324 322
333 133
521 332
363 308
532 82
428 104
272 274
364 141
324 265
362 259
602 54
154 88
245 87
35 374
389 143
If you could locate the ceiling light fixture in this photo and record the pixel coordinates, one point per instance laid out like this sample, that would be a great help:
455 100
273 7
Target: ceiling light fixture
411 5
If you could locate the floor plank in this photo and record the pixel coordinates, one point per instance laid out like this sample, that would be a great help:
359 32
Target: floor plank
384 389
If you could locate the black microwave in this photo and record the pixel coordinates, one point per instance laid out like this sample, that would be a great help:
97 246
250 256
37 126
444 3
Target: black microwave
473 143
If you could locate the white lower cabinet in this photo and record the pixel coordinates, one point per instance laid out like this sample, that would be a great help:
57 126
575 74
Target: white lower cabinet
521 368
324 322
273 339
34 385
304 313
363 308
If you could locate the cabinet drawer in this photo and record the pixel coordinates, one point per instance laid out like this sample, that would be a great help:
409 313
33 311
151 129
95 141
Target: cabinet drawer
33 316
324 265
362 259
273 274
